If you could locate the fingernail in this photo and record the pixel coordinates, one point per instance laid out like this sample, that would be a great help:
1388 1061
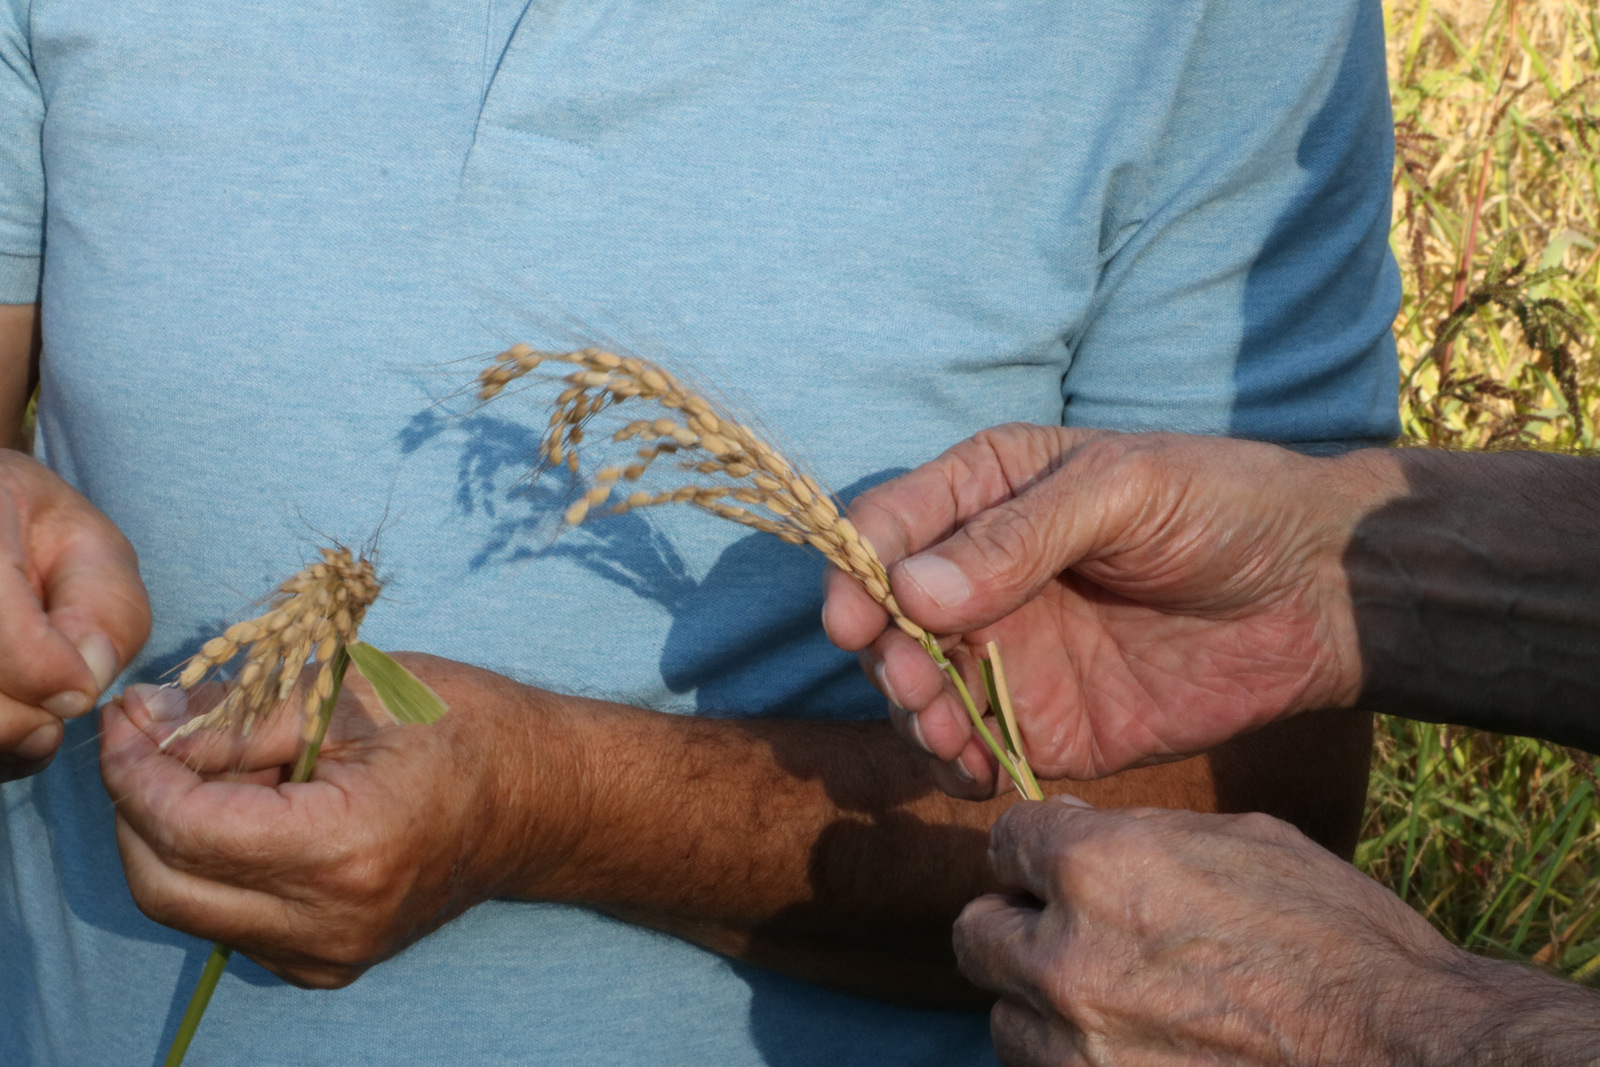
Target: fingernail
38 745
940 580
101 656
69 704
164 703
881 673
101 659
914 723
959 769
1071 801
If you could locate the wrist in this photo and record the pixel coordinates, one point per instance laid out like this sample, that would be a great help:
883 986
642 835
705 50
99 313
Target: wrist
1430 1015
538 793
1339 493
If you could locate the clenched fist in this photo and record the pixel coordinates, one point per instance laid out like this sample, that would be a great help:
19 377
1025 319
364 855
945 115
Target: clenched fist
1143 937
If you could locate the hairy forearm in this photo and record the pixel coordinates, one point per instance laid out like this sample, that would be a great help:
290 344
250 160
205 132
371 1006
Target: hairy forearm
818 849
1476 593
1545 1023
1478 1012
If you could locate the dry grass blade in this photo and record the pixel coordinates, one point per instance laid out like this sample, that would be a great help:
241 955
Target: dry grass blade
308 618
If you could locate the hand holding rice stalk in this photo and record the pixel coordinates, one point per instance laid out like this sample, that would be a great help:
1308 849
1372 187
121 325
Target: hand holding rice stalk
749 483
312 620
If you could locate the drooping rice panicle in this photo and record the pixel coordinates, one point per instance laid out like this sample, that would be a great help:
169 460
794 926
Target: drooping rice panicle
307 619
746 480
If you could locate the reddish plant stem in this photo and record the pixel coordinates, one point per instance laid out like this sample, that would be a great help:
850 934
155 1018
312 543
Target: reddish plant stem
1464 270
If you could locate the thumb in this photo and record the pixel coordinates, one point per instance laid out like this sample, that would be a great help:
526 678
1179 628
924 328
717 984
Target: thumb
95 599
1004 556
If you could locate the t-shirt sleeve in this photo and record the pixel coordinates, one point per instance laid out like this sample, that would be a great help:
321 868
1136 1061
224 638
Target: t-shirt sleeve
1247 286
21 160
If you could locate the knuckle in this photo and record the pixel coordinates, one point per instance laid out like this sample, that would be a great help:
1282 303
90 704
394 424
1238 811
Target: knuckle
13 488
965 934
1266 827
873 514
361 878
1107 454
1007 829
1012 438
149 903
330 939
1094 861
158 905
164 832
351 949
1005 540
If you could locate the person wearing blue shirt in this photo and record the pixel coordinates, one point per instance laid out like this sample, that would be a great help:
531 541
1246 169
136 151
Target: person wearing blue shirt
665 821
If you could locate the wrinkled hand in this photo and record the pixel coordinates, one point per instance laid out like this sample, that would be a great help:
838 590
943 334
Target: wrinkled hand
1142 936
72 610
400 829
1152 595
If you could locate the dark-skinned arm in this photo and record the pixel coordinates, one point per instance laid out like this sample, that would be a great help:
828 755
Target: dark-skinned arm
1476 593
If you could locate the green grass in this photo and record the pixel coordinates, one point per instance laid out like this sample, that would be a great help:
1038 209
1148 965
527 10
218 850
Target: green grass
1492 838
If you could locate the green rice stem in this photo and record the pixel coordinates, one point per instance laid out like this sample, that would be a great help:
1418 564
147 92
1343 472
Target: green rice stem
1018 771
215 965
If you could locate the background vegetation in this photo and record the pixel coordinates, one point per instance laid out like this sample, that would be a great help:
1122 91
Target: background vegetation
1497 228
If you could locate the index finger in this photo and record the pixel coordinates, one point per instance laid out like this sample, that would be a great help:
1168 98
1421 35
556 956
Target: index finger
1028 840
996 938
922 507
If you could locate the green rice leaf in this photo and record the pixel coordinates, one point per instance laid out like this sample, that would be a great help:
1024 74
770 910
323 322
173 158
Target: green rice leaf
403 694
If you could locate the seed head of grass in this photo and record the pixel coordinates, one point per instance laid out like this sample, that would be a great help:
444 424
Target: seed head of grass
741 478
307 619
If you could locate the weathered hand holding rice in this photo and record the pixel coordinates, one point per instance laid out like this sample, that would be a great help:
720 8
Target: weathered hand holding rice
311 619
745 481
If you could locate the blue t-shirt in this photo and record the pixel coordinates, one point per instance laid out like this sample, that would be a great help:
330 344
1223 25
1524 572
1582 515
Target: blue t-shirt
269 232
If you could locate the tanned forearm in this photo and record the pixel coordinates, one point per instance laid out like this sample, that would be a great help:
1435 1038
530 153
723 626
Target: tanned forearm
818 849
18 368
1476 594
